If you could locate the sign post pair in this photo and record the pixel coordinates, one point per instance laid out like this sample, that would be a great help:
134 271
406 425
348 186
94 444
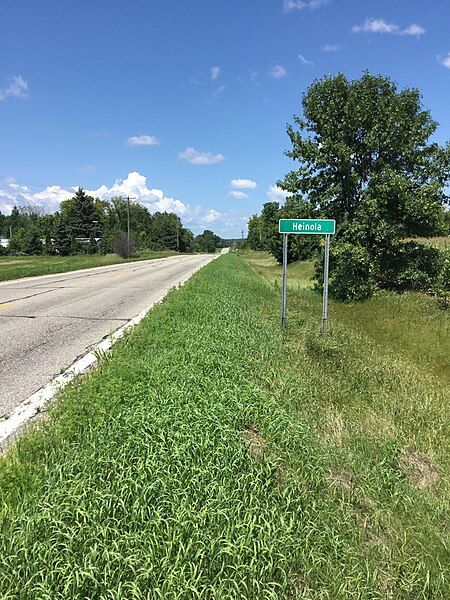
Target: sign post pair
326 227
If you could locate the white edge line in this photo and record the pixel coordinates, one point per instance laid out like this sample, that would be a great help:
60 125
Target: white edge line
37 402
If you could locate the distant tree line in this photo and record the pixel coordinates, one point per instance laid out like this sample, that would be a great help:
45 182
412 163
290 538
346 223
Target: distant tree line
365 158
101 226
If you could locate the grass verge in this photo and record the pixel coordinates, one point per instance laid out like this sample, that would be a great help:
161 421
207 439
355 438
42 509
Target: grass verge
212 457
16 267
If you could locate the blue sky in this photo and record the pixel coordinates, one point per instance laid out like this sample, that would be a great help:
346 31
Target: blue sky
183 103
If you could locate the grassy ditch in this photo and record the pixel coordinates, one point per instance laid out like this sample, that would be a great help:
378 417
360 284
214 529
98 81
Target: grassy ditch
212 457
16 267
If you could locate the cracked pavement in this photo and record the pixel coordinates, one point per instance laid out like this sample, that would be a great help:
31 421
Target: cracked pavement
47 322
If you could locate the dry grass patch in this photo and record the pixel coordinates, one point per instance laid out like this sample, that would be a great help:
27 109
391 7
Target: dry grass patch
419 469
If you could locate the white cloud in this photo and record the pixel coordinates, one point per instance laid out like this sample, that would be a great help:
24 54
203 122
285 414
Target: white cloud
215 72
277 72
200 158
289 5
238 195
445 61
381 26
142 140
243 184
18 88
211 216
276 194
134 185
331 48
413 29
305 61
19 195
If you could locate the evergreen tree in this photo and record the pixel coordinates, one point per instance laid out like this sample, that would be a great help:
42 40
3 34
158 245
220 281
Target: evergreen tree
74 245
62 237
48 246
32 243
92 246
81 214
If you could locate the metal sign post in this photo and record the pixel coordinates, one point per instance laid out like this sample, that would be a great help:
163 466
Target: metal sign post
284 284
326 227
326 267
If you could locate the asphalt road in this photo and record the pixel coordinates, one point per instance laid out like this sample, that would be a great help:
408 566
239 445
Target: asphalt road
48 322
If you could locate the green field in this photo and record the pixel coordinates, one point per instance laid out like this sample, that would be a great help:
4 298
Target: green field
442 242
15 267
211 456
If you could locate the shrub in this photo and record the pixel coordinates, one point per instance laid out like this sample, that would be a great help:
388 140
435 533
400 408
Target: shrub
124 247
409 266
441 285
75 247
92 246
16 241
300 247
351 273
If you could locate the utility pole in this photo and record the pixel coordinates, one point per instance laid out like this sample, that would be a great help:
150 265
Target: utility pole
128 225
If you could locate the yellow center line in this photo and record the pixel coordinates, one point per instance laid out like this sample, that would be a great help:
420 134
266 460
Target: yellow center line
8 304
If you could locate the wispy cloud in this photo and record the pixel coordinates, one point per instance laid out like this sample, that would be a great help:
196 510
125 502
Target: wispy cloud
277 72
142 140
276 194
238 195
219 90
211 216
305 61
331 48
215 72
18 88
445 61
89 168
243 184
195 157
289 5
382 26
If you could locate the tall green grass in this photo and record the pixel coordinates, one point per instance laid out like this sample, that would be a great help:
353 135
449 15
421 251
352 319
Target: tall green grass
411 325
15 267
213 457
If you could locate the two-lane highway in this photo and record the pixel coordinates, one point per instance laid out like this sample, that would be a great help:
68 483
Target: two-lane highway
47 322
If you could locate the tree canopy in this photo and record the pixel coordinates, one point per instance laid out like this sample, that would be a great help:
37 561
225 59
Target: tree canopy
100 224
366 157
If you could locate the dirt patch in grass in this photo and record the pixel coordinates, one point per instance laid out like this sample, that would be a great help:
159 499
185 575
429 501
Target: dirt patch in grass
342 478
258 445
419 469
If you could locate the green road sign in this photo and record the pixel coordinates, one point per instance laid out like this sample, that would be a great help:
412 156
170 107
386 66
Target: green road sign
307 226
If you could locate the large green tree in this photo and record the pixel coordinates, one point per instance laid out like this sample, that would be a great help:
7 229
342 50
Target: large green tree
81 215
367 158
207 241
